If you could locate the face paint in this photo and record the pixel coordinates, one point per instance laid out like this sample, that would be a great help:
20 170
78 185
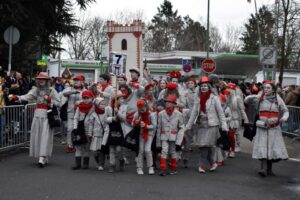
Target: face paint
124 91
169 105
42 82
268 89
134 75
204 88
77 83
87 100
102 81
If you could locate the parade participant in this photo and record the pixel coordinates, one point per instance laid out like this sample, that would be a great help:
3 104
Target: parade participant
220 153
237 108
106 89
116 121
97 129
161 85
149 96
81 124
73 95
121 79
146 120
135 76
188 135
41 137
268 144
209 117
170 131
174 88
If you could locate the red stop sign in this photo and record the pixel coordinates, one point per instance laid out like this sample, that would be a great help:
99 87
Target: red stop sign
208 65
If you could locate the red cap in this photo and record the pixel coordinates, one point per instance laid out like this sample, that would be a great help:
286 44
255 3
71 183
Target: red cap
267 81
222 98
231 86
204 79
79 78
226 92
171 86
87 93
150 85
192 79
140 103
174 74
42 75
171 98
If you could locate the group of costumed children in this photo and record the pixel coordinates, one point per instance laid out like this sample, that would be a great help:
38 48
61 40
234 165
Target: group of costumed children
100 120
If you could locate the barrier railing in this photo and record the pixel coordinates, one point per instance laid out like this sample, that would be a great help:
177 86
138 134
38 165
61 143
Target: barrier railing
12 126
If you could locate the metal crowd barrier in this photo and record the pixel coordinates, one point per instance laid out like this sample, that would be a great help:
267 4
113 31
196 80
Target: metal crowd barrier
15 123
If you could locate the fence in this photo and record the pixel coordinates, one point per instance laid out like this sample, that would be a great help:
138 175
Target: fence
15 123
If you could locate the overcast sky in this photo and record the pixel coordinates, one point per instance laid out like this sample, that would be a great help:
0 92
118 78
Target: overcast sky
222 12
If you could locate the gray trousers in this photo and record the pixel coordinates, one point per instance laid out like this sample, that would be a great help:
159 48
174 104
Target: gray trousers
145 147
207 155
82 150
238 134
168 147
69 130
115 152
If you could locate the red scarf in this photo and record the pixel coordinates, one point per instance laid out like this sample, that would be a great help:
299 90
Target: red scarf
203 99
145 117
169 111
85 108
98 110
103 87
149 97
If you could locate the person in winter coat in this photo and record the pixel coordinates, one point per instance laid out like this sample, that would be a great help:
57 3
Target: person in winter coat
236 104
106 90
292 97
170 132
220 153
209 117
146 120
268 144
82 119
99 130
41 137
73 95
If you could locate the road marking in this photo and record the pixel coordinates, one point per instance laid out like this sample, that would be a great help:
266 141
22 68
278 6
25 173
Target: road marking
294 159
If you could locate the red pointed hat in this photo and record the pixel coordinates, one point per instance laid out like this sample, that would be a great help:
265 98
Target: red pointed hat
231 86
204 79
42 75
171 98
79 78
87 93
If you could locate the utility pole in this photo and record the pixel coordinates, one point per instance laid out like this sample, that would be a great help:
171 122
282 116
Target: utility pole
207 35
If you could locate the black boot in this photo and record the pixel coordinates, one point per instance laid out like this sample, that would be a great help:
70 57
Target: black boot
97 158
77 163
269 168
86 161
122 164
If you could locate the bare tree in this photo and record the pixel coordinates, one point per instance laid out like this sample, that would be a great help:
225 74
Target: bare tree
98 35
215 39
127 17
78 44
231 42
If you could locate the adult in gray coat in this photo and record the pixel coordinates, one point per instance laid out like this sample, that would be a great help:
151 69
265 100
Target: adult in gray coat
208 115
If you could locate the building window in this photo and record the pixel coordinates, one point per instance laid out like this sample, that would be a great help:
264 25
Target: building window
124 44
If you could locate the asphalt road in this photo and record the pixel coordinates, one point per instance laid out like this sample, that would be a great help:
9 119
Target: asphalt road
237 180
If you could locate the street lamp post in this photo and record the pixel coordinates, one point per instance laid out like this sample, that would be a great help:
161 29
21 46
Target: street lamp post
207 33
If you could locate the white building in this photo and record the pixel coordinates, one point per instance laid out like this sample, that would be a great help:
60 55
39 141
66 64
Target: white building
289 78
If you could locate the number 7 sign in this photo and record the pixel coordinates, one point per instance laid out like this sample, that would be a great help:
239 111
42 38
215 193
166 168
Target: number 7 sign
118 63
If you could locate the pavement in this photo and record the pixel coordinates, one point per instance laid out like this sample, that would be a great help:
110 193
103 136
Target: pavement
21 179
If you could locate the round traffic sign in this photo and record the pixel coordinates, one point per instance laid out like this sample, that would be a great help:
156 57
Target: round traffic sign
208 65
187 68
11 35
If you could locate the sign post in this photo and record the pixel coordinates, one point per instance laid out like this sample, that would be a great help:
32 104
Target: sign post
11 36
208 65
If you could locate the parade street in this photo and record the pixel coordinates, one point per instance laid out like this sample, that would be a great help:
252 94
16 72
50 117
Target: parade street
238 179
